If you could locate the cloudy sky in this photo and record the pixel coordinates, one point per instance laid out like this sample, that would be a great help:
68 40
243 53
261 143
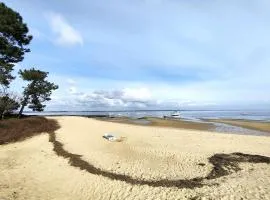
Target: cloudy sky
140 54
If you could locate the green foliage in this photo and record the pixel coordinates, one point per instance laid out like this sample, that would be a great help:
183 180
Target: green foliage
8 104
33 75
13 39
5 73
38 90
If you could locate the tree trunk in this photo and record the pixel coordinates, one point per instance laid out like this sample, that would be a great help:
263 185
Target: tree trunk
24 103
21 110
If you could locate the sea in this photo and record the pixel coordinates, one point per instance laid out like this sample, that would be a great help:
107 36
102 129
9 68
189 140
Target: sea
189 115
194 115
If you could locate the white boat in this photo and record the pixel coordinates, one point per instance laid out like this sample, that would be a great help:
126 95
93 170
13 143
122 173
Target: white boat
175 114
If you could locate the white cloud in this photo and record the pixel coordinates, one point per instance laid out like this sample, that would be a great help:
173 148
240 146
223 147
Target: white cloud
66 35
118 99
137 93
124 98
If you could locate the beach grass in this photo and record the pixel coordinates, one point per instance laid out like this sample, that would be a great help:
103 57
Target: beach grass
12 130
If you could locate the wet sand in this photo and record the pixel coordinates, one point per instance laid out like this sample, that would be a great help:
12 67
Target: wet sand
158 122
250 124
230 126
77 163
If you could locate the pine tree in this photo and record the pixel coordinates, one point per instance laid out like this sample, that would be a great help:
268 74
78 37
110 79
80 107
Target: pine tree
13 39
37 91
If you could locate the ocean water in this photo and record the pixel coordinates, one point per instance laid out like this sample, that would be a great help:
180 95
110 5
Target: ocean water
194 115
190 115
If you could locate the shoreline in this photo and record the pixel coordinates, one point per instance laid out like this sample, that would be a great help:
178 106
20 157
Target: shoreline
259 125
221 125
159 122
204 125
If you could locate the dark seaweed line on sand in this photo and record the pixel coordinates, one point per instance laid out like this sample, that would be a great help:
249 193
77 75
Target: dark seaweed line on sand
223 165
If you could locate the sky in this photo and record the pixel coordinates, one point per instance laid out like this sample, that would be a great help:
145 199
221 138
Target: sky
150 54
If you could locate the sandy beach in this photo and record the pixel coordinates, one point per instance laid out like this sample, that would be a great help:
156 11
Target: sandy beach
149 163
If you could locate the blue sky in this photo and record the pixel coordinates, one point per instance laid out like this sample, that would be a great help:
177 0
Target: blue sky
126 54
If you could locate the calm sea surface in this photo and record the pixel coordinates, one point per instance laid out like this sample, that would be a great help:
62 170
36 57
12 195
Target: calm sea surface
194 115
184 114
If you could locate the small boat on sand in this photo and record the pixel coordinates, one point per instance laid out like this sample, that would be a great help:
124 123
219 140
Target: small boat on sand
175 114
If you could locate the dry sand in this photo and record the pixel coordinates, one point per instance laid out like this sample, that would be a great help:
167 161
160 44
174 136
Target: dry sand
32 170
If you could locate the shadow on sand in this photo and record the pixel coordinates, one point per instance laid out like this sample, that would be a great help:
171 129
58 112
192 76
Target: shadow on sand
223 165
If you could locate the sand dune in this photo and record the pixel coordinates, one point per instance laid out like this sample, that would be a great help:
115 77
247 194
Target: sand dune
32 169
